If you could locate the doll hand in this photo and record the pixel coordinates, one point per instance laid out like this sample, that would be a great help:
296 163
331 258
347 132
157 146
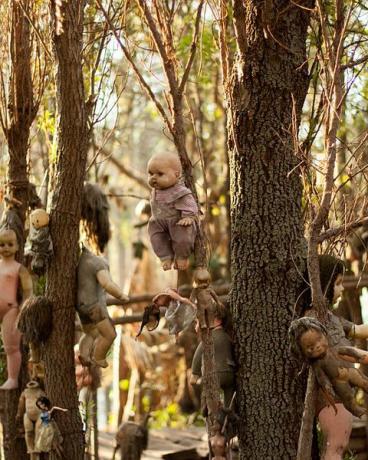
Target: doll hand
124 298
185 221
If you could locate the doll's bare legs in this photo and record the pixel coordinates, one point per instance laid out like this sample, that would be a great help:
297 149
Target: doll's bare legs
11 339
106 336
183 238
358 379
86 342
336 429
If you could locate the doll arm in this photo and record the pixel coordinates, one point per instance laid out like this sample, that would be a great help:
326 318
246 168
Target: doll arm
359 331
21 407
197 363
326 386
57 408
353 354
26 283
104 279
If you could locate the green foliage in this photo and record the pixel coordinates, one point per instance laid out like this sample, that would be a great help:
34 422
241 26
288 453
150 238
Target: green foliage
169 416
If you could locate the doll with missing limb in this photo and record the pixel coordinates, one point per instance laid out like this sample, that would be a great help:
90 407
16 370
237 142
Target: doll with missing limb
99 332
12 275
172 227
309 339
29 414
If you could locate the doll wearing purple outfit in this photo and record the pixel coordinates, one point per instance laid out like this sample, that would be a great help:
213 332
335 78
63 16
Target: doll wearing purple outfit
172 227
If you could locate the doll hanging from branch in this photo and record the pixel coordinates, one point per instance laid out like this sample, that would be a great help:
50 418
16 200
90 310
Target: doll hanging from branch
309 340
173 225
12 275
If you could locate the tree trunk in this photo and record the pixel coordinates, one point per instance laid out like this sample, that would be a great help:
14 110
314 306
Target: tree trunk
64 222
267 246
21 112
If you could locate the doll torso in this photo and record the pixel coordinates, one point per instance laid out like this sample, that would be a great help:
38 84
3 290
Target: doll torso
333 366
164 203
89 290
31 396
9 275
45 418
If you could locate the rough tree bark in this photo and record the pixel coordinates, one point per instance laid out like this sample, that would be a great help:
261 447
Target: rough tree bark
65 217
268 79
20 115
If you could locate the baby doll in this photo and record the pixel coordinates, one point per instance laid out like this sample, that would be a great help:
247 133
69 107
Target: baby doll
29 414
309 339
11 274
172 227
99 332
49 437
41 244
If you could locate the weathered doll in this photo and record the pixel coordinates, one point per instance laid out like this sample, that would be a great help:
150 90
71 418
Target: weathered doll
99 332
49 437
12 275
41 243
29 413
309 340
224 356
172 227
336 427
204 295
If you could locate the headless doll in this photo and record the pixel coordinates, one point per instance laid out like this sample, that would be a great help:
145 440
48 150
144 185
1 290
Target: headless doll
11 274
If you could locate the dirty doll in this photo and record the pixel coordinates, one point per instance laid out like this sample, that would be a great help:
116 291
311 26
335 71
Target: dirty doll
99 332
41 243
173 225
12 275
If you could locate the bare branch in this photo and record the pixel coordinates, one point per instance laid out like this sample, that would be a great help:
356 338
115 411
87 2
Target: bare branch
330 233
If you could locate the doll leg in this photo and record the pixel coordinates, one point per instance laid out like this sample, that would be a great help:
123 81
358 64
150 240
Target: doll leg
11 338
90 334
336 431
29 429
183 239
161 244
103 342
358 379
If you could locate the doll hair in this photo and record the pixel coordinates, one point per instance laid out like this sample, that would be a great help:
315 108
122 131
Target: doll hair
297 328
35 319
45 401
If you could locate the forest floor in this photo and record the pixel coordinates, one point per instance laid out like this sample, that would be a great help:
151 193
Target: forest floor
166 443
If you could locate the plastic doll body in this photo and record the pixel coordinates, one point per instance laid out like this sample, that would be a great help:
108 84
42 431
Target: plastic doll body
99 332
12 274
49 437
172 227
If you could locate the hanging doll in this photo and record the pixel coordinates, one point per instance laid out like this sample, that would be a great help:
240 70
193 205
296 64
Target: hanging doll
309 339
99 332
41 243
205 296
29 413
12 275
172 227
49 437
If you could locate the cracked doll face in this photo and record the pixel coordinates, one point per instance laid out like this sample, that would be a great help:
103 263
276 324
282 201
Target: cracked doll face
313 343
8 244
163 171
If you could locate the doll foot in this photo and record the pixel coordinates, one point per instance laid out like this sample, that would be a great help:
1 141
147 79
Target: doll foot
10 384
166 264
99 362
86 362
182 264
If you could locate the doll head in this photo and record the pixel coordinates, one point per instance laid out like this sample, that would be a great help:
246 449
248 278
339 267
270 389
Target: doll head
43 403
39 218
308 338
164 170
202 278
8 244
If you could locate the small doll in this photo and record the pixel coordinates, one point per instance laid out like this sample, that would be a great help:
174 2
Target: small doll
224 357
41 243
12 274
205 298
309 339
29 413
172 227
49 437
99 332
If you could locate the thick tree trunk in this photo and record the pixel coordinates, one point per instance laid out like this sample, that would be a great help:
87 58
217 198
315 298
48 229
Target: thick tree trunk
267 246
21 112
65 217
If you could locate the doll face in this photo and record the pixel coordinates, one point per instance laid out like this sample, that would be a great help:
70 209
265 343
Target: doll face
313 343
338 288
8 244
163 172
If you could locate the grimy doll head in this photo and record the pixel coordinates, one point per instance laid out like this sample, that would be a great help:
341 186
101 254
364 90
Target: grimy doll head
43 403
164 170
308 338
8 243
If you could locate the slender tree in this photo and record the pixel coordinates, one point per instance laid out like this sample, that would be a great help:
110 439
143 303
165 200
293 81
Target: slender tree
265 91
65 216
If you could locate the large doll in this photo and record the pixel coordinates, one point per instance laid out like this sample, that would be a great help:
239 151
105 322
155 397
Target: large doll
99 332
12 276
172 227
29 414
